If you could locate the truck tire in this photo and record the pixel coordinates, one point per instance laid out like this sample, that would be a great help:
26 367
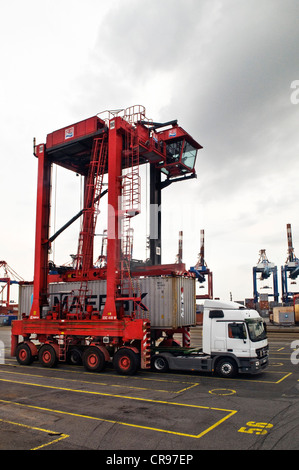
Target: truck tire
24 355
126 362
93 359
160 364
226 367
74 355
47 356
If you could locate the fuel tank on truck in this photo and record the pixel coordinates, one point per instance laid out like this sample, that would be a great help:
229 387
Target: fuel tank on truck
168 302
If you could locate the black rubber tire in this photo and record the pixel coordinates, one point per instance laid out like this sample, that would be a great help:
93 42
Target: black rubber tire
47 356
226 368
24 355
74 355
160 363
93 359
126 362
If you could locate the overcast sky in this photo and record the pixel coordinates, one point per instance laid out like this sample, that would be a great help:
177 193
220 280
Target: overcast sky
223 68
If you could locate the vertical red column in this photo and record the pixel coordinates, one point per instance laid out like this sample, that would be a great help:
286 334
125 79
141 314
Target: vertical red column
114 218
86 229
41 233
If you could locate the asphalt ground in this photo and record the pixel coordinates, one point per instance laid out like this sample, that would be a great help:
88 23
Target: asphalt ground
166 414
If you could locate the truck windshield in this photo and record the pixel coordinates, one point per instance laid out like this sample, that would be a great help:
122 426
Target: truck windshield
256 330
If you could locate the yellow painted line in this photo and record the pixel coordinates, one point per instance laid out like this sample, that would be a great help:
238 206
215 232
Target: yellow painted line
222 391
193 384
238 379
81 381
283 378
253 378
187 388
61 436
287 374
90 392
196 436
102 383
268 381
156 379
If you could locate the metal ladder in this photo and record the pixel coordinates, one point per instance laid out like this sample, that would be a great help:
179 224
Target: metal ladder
62 348
146 346
130 207
93 191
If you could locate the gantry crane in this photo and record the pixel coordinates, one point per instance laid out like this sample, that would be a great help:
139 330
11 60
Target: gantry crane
8 278
114 143
265 268
290 270
202 271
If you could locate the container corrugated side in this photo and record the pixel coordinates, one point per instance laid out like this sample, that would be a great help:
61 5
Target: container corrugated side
170 301
25 298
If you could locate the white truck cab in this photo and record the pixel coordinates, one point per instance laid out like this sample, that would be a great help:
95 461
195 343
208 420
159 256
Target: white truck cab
234 340
235 337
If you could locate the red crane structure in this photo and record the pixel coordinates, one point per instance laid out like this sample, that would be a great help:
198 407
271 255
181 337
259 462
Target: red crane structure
8 278
115 144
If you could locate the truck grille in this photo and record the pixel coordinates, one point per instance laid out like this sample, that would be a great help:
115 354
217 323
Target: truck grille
261 352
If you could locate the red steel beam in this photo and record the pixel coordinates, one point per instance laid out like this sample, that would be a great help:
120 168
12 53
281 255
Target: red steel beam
41 233
114 220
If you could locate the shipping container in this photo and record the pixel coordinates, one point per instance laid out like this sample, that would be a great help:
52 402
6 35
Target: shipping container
168 302
5 320
283 315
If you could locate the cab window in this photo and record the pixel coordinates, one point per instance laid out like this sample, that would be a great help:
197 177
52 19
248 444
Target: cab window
237 330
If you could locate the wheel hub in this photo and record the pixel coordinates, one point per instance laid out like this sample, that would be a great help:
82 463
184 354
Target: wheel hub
125 362
23 354
92 360
46 356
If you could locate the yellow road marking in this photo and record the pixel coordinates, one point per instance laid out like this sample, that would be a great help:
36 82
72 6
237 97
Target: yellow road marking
239 378
222 391
103 383
187 388
196 436
283 378
193 384
61 436
106 394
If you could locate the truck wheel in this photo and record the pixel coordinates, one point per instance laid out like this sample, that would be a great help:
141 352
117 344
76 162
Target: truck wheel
74 356
24 355
125 361
226 368
93 359
160 364
47 356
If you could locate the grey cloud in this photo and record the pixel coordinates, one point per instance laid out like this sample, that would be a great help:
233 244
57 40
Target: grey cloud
230 64
148 36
